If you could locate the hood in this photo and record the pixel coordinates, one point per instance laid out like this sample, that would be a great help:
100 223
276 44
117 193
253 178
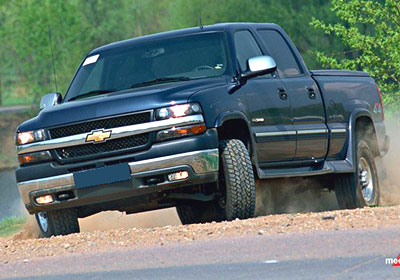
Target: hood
118 103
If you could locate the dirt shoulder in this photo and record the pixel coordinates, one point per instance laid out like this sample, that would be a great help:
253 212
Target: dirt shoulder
12 249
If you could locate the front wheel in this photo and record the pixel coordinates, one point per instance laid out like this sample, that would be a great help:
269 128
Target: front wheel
57 222
237 180
360 188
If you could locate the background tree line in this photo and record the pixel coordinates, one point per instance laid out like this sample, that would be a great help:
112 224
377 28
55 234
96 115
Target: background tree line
350 34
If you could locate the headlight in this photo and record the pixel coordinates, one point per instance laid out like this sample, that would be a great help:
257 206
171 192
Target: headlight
31 136
178 111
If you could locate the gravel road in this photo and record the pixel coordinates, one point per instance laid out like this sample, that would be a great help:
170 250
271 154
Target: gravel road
335 244
347 254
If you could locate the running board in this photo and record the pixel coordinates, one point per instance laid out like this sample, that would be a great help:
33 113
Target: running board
294 172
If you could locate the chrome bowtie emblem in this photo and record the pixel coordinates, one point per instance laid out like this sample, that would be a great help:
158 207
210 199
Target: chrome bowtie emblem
98 136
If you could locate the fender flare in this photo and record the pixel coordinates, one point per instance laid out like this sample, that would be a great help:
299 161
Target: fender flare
238 115
231 115
351 145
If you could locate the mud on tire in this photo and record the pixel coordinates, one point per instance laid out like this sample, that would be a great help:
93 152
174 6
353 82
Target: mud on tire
238 180
57 222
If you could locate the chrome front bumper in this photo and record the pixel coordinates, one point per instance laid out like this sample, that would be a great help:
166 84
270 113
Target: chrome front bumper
201 162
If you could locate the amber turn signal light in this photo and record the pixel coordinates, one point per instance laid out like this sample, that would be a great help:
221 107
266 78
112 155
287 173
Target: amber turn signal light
34 157
176 132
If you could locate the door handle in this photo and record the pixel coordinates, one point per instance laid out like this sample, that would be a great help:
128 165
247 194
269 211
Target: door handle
311 93
282 94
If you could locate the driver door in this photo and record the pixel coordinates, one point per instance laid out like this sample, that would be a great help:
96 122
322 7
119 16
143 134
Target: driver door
268 105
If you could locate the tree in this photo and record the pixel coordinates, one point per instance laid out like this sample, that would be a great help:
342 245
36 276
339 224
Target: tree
27 49
371 31
29 30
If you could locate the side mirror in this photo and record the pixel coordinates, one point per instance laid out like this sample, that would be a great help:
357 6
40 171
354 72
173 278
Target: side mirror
50 99
259 66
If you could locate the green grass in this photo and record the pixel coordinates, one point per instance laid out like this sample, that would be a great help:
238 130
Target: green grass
9 226
11 99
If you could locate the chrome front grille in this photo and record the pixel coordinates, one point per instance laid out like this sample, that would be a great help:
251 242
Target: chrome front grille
121 144
90 151
89 126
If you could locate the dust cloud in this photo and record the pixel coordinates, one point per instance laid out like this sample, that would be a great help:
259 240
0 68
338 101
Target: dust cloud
278 196
31 230
389 166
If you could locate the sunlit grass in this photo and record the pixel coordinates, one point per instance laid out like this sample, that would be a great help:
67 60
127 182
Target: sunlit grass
11 99
11 225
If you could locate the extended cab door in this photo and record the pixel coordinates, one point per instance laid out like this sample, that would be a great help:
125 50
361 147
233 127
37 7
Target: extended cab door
268 106
307 104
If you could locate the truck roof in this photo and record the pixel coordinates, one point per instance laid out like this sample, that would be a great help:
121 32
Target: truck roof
186 31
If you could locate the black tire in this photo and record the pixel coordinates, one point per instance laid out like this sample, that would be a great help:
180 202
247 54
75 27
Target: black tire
352 190
196 212
238 180
59 222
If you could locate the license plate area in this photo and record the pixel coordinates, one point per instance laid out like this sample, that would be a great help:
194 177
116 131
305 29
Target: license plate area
105 175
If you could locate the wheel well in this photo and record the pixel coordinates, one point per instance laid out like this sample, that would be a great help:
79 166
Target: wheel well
365 129
236 129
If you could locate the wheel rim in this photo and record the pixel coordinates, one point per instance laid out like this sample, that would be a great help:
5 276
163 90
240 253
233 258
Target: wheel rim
42 218
366 180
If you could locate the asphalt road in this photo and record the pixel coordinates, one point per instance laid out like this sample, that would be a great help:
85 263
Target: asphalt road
350 254
13 109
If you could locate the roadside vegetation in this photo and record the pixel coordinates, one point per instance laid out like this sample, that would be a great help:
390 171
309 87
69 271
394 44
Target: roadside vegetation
11 225
345 34
8 124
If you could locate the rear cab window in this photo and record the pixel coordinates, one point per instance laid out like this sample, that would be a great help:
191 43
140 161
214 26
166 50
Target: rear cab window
287 63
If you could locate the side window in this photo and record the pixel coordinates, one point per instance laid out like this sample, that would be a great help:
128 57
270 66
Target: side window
280 51
246 47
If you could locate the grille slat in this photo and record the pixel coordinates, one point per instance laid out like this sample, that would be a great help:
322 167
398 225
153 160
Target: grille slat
82 152
85 127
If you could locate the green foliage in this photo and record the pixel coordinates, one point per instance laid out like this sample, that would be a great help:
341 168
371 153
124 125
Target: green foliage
392 102
74 27
371 31
77 26
11 225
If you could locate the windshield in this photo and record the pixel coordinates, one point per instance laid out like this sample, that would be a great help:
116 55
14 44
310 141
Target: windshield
142 64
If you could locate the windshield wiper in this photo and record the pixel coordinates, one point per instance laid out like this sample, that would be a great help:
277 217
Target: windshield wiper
92 93
160 80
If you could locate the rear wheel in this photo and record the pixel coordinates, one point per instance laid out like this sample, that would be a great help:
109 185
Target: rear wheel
360 188
57 222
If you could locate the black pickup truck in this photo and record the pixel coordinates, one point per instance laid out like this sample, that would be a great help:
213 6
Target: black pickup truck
191 118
